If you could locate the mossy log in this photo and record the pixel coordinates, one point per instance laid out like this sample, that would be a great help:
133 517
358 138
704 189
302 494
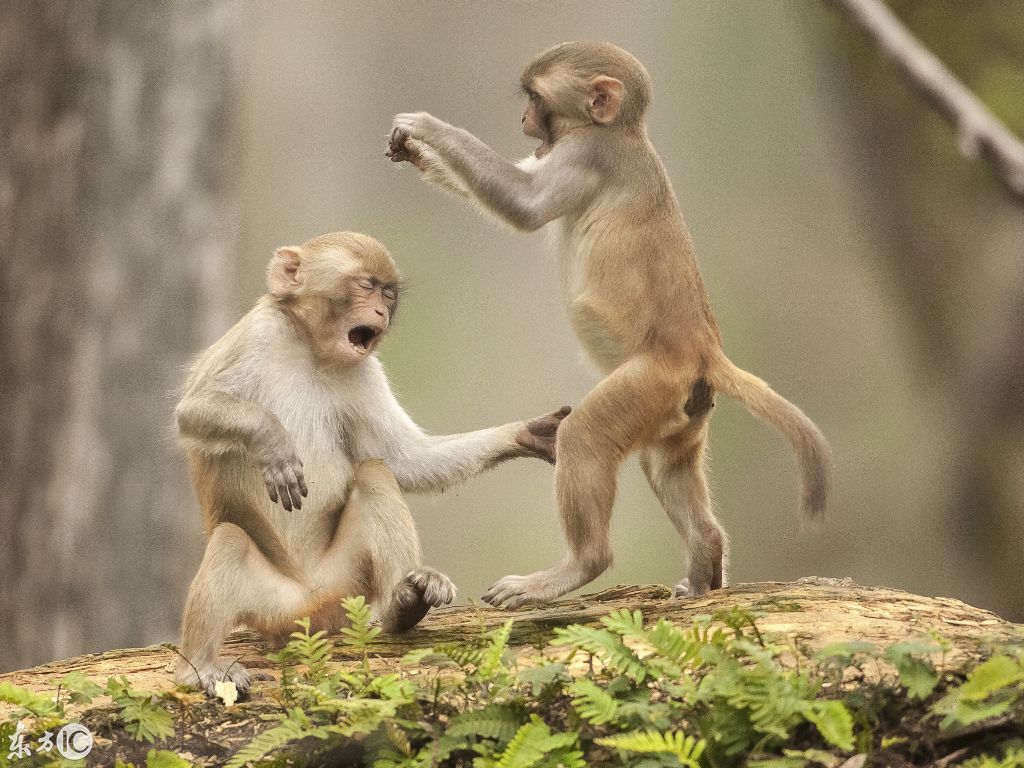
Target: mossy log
802 616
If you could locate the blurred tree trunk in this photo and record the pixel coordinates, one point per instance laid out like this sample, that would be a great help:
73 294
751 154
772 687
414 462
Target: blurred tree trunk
962 284
114 238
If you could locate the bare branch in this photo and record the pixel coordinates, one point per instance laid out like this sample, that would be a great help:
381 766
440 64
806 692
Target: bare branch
978 131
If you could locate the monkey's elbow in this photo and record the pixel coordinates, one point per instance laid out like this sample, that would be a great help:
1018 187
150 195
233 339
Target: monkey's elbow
529 221
184 417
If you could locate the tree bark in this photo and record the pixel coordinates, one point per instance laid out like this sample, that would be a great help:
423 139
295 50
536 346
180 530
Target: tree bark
809 614
115 232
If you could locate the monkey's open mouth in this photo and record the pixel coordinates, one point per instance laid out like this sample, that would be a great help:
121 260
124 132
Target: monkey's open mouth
362 336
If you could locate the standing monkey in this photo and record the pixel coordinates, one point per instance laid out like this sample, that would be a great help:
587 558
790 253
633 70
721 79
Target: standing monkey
300 455
635 299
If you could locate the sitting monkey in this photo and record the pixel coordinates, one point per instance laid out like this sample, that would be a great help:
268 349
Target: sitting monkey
300 455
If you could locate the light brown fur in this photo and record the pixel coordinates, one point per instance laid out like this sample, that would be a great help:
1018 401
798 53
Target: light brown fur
301 456
635 298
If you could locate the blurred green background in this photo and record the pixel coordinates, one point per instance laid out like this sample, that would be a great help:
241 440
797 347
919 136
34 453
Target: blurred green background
855 261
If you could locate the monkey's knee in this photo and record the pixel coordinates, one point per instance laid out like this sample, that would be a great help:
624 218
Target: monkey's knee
375 477
227 541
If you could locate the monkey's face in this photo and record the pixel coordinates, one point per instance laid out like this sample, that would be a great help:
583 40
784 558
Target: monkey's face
343 287
534 118
370 304
537 121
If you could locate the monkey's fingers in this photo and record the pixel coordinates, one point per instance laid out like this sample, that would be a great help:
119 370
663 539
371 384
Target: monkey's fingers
286 497
292 487
396 146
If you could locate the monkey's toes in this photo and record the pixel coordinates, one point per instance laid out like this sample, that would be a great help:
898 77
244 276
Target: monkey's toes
436 588
682 589
511 592
688 587
220 671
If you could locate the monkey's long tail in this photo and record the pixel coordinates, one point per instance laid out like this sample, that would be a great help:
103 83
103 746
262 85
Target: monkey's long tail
812 451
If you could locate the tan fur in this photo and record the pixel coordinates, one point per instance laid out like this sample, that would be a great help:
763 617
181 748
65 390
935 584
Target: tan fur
301 455
635 299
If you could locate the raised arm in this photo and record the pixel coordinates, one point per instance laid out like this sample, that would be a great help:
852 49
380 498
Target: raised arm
525 198
213 422
423 462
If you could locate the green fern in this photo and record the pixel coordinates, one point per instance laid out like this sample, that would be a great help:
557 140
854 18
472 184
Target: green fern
295 725
1012 757
161 758
495 721
917 673
991 689
30 703
625 623
359 634
143 717
833 721
592 702
491 667
605 646
673 645
535 746
686 749
81 689
312 651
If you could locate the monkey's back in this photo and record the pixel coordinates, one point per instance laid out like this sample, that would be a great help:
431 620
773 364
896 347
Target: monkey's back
630 274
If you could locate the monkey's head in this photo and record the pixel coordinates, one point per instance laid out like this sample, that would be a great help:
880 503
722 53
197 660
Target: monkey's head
583 83
342 288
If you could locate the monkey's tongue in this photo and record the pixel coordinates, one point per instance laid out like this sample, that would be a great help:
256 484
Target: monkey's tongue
361 336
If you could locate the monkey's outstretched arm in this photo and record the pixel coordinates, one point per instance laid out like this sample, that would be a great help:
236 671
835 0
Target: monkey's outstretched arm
423 462
434 170
525 199
213 422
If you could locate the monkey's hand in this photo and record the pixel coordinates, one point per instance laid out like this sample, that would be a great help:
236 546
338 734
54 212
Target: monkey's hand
282 473
403 149
537 437
421 126
397 150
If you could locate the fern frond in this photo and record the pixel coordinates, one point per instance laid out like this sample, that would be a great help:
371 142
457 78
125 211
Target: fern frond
833 721
495 721
491 666
604 645
359 634
685 748
593 703
625 623
532 743
34 703
294 726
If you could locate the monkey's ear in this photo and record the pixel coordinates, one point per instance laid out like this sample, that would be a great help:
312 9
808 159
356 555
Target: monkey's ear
284 273
605 99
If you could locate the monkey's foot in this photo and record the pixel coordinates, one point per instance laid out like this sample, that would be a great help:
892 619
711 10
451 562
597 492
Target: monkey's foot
421 589
683 589
434 588
219 671
690 587
514 592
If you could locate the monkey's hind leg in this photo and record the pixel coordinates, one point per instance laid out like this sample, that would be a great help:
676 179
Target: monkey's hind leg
376 552
623 411
675 470
235 580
